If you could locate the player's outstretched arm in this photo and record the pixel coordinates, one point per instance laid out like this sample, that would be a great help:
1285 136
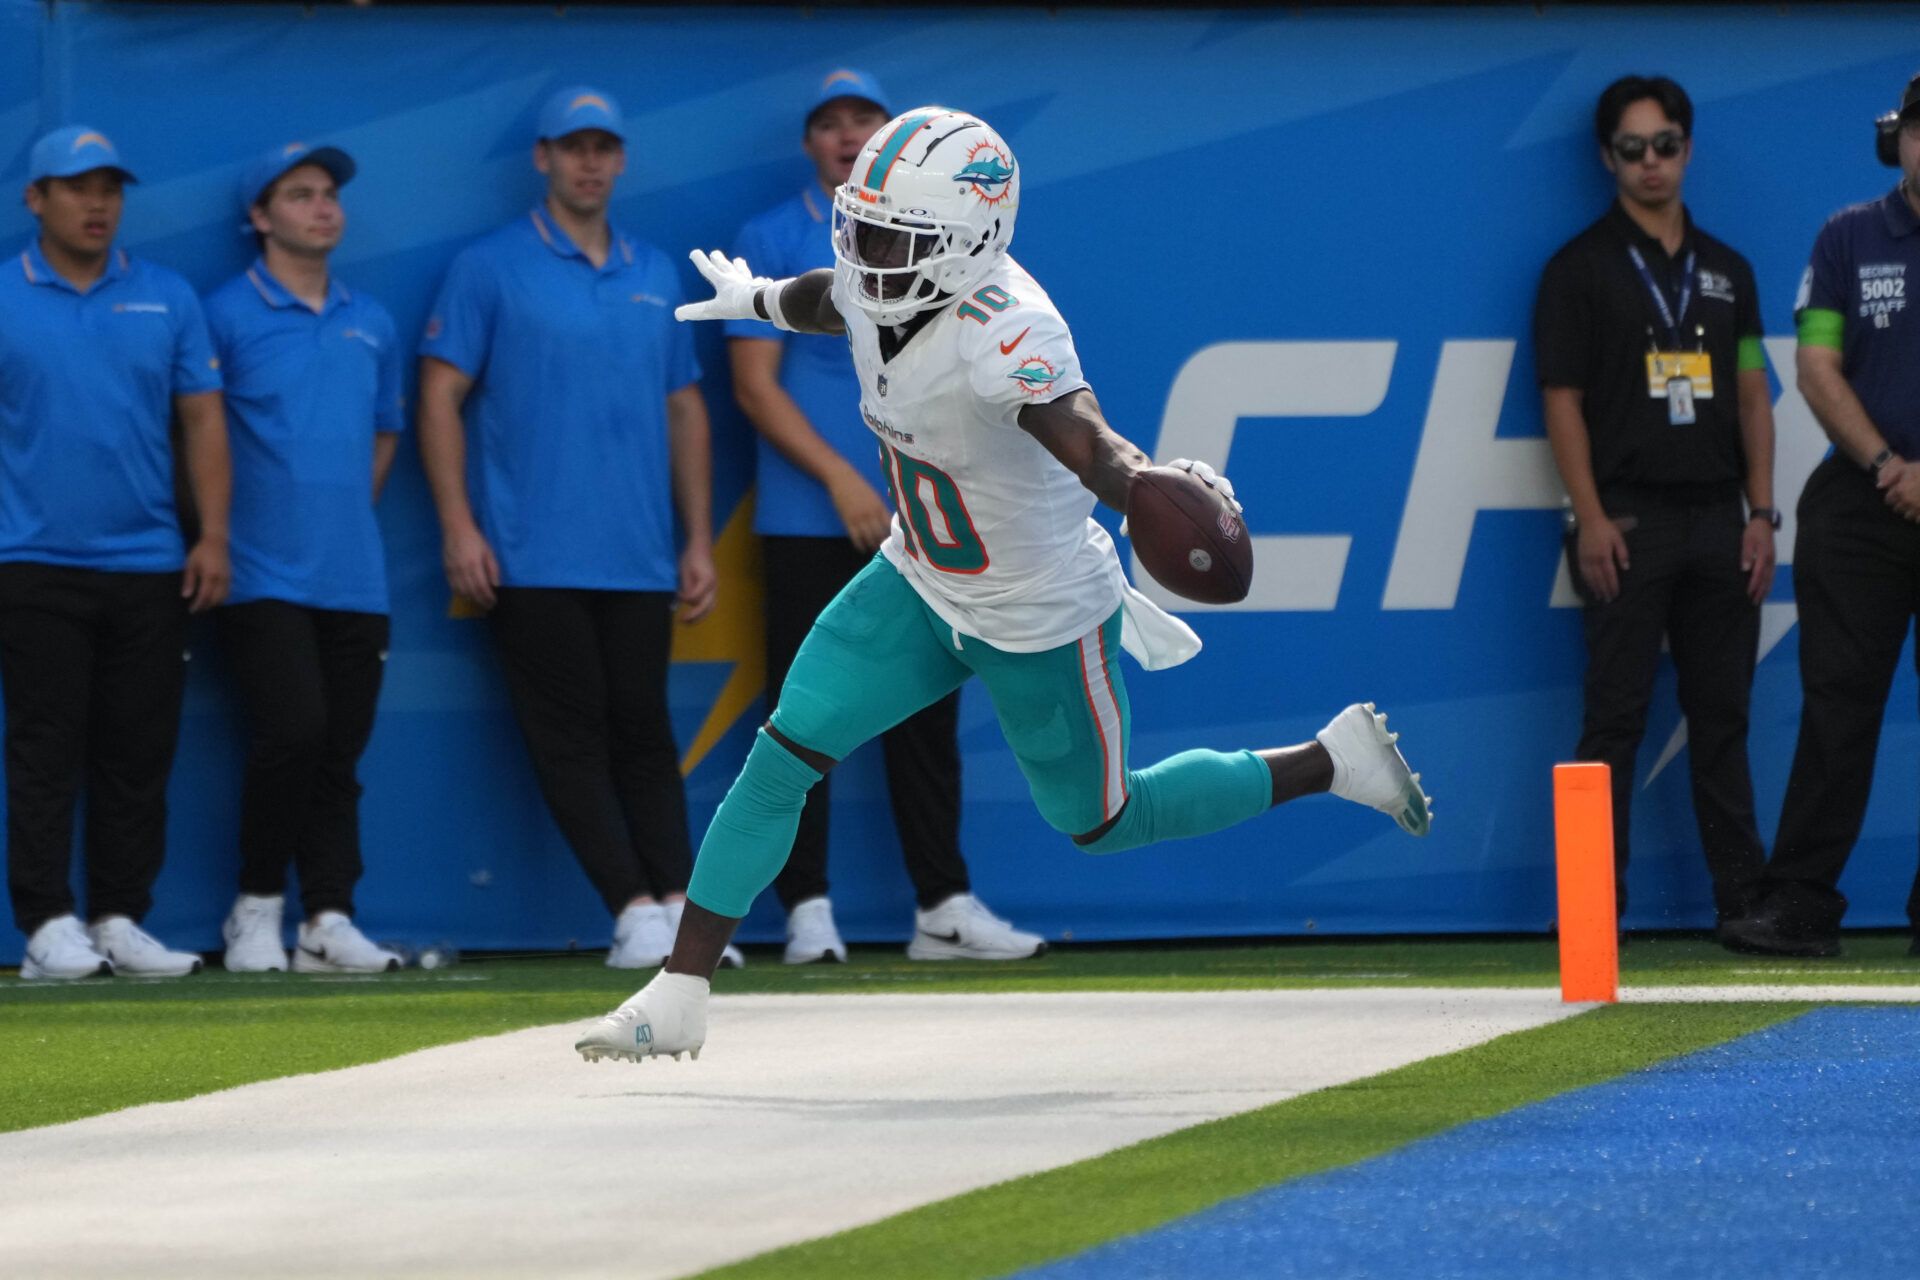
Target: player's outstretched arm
803 304
1074 430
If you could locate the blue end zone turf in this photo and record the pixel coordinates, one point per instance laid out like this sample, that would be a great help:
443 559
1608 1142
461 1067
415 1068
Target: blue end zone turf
1794 1151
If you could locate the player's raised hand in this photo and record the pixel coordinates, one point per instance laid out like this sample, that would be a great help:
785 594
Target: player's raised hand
734 287
1212 479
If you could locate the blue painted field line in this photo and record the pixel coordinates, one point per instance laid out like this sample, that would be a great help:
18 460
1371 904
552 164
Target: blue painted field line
1794 1151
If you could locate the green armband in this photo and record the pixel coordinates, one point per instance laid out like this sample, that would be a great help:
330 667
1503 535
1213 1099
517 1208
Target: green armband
1752 355
1822 328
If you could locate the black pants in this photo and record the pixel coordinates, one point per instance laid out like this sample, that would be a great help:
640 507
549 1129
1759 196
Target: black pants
92 668
1685 582
309 679
1856 576
922 752
587 673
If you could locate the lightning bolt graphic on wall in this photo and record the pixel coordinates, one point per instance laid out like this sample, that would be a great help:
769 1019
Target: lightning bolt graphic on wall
734 632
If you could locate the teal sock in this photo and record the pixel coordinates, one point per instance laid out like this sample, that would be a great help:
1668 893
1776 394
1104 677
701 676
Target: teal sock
1191 794
752 832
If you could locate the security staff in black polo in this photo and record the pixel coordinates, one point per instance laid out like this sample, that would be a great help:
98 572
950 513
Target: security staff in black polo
1647 339
1856 570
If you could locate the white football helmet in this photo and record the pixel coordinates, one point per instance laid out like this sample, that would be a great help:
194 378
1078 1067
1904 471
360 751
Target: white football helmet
926 214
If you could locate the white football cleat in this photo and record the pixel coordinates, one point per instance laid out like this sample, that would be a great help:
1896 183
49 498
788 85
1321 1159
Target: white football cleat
665 1018
729 959
331 944
961 928
253 937
811 935
61 951
1368 768
135 953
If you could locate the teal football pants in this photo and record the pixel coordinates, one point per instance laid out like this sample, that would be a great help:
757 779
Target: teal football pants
878 654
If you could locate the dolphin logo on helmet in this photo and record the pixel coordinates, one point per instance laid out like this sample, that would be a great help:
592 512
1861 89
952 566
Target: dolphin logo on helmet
988 176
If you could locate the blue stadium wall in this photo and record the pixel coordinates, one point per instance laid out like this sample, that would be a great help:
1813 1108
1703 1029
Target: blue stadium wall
1301 245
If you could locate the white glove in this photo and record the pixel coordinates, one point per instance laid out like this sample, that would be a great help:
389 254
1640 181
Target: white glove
734 289
1212 479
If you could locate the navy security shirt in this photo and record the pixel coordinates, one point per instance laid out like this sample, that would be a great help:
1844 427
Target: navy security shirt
306 392
1866 267
87 382
792 239
568 466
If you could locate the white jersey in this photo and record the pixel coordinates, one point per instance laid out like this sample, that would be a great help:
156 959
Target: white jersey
992 531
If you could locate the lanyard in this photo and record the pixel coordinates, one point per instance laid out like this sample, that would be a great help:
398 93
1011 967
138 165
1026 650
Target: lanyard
1668 315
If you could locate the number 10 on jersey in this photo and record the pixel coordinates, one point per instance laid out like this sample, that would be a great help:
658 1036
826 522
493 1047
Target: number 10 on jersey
933 516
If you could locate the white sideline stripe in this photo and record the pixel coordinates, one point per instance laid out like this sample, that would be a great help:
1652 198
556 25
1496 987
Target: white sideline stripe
1106 719
806 1115
1824 993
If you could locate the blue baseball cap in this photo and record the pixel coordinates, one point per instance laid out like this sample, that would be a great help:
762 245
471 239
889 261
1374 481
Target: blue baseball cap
847 83
577 108
74 150
264 170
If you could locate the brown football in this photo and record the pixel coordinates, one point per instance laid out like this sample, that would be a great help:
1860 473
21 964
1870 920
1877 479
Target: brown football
1189 537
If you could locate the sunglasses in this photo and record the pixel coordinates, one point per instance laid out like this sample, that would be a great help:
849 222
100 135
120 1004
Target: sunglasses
1666 144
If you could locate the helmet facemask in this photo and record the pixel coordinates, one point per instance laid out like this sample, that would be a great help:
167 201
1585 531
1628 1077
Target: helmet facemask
895 263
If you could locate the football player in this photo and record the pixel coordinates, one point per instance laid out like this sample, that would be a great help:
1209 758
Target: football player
996 450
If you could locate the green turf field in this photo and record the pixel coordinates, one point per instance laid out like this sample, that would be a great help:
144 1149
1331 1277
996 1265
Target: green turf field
80 1049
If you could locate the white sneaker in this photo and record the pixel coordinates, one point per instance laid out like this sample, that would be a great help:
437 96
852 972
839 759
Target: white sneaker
61 950
961 928
253 935
811 936
331 944
642 937
666 1017
1368 769
729 958
135 953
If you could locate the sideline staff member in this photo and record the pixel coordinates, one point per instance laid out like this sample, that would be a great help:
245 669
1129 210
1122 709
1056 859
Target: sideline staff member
313 373
1647 337
588 432
1856 568
821 518
98 350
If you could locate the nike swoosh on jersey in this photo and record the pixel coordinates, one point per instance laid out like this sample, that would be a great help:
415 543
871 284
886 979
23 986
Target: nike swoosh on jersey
1006 348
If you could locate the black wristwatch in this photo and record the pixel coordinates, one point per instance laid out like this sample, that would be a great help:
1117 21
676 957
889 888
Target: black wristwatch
1880 460
1770 514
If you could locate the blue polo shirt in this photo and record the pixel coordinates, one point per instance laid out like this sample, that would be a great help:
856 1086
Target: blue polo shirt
306 393
791 239
87 382
567 454
1866 268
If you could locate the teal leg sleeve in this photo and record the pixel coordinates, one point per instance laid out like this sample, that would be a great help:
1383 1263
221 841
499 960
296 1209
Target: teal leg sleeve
752 832
1191 794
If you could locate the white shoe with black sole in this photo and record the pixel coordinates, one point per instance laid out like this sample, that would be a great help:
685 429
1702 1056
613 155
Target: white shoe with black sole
642 937
331 944
811 934
61 951
961 928
135 953
253 935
